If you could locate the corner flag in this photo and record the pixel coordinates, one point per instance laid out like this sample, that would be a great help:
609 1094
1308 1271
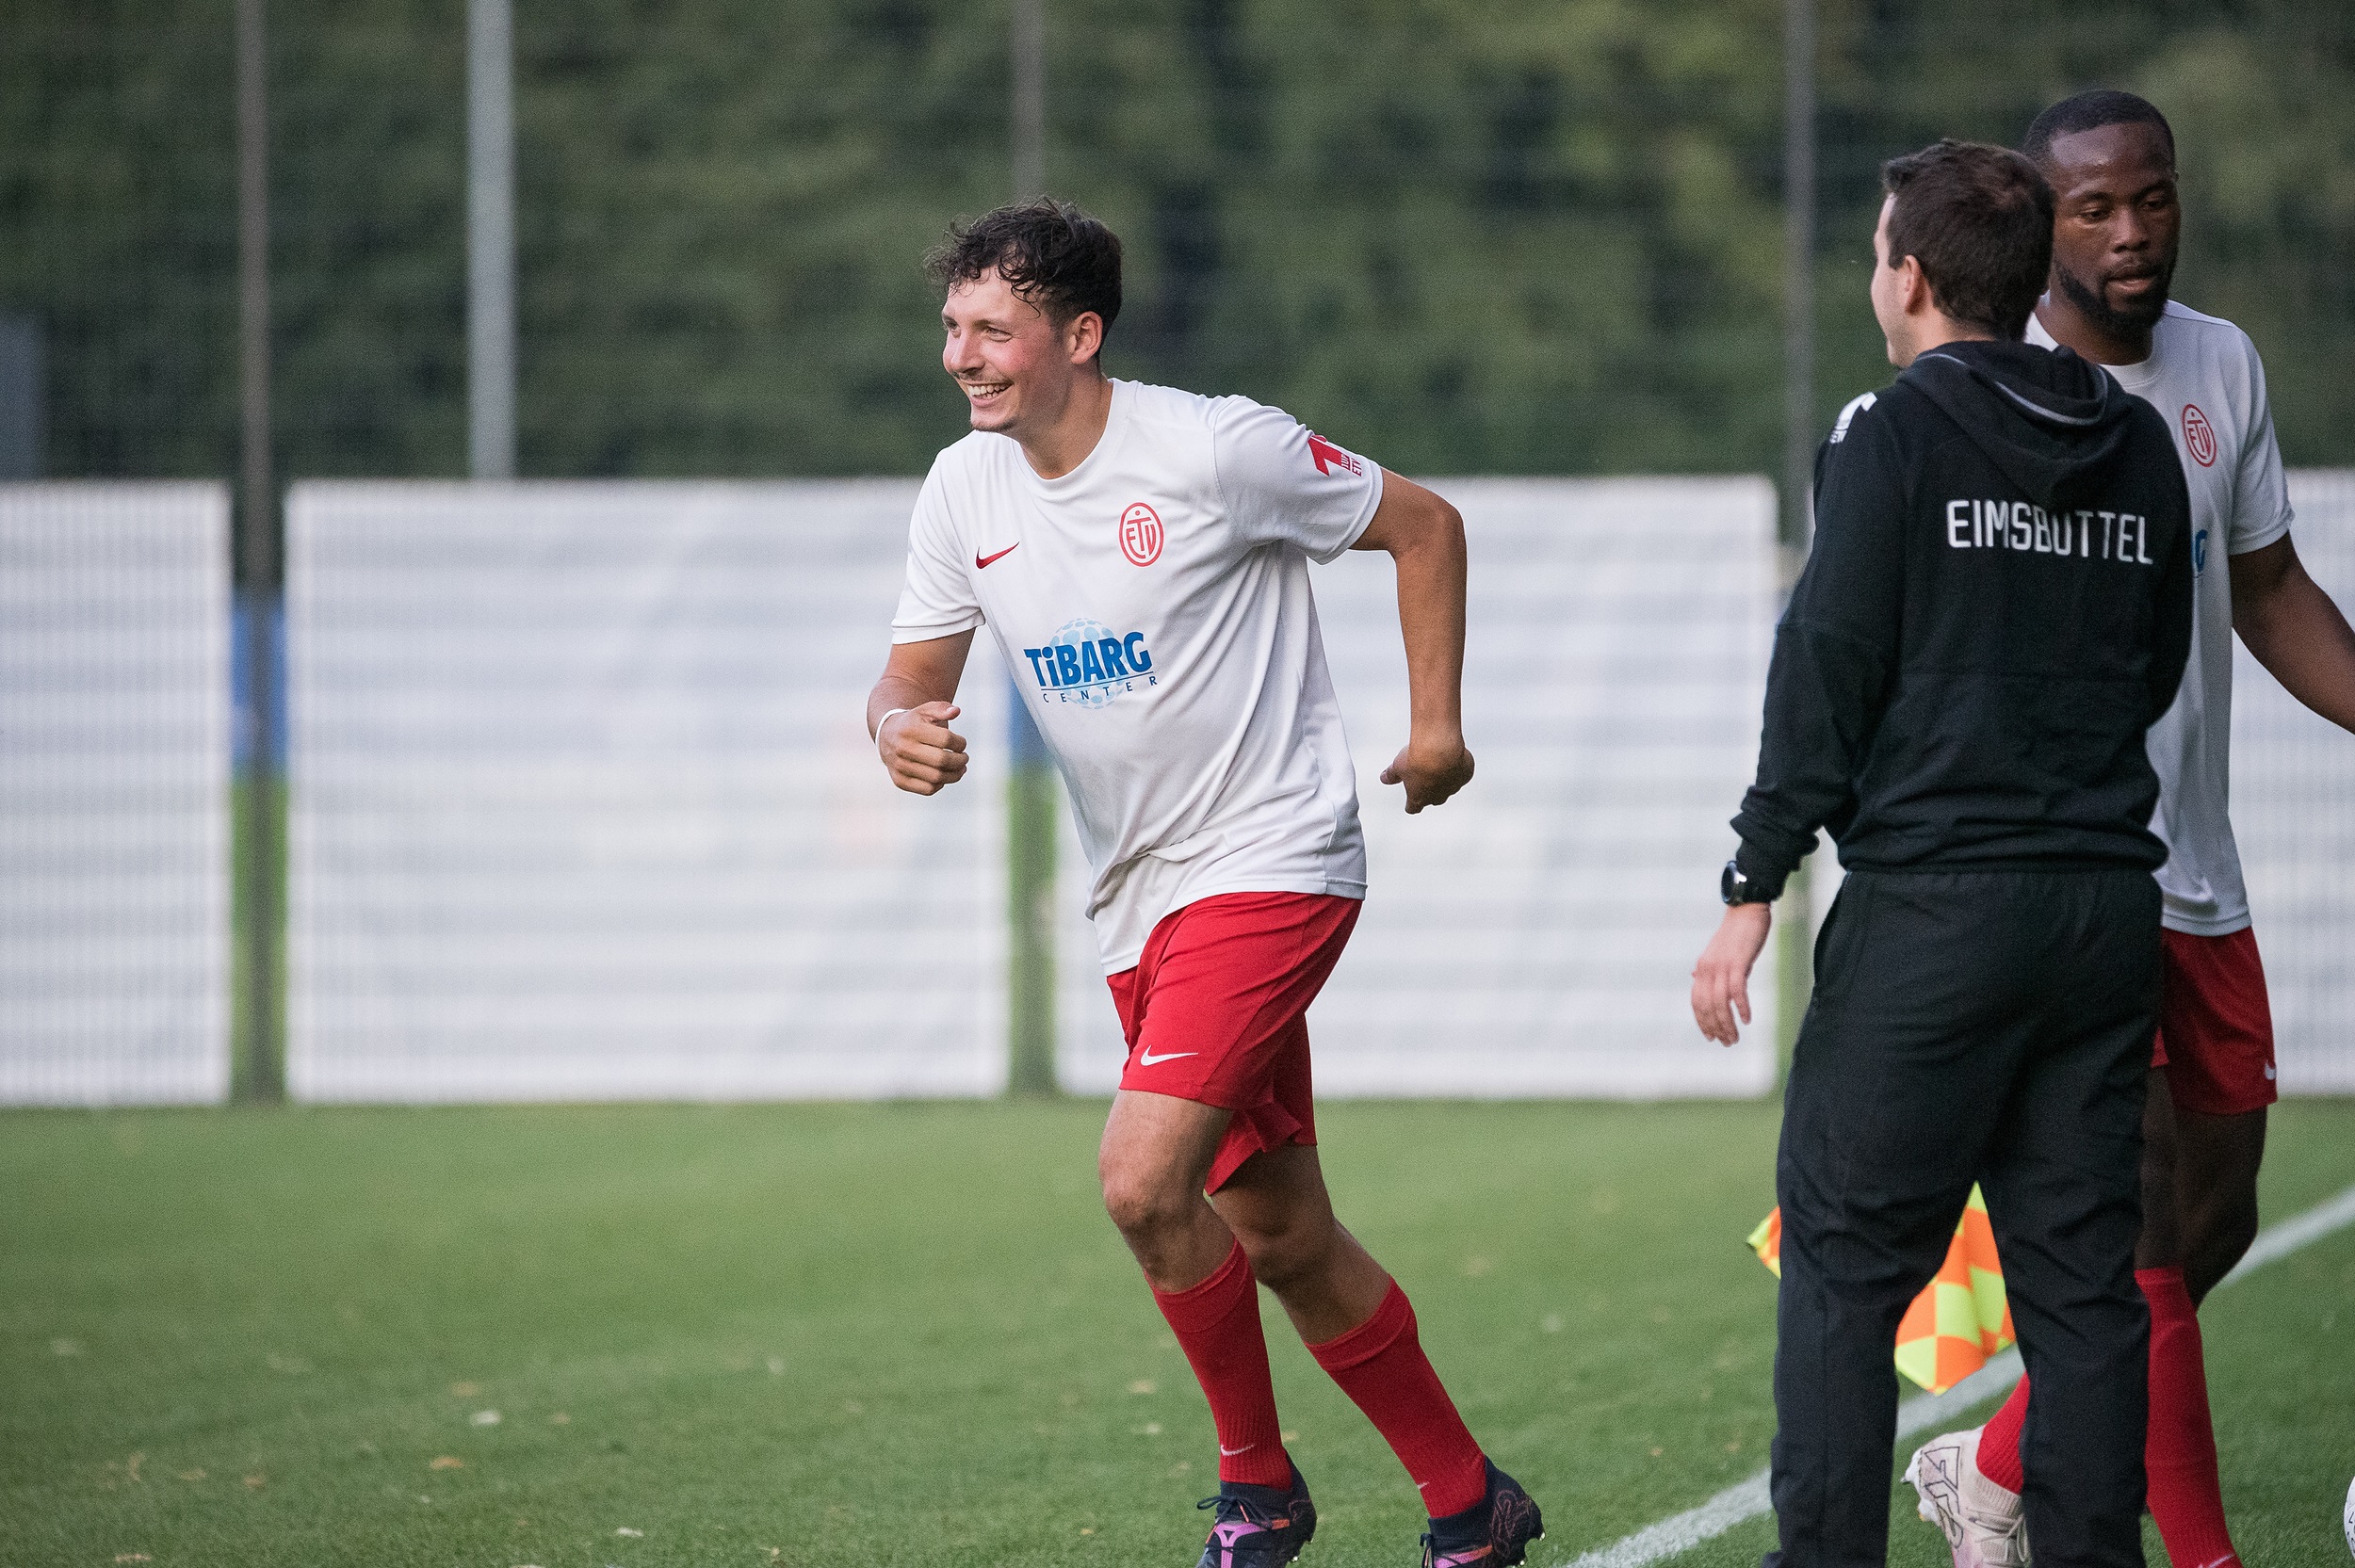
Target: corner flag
1962 1318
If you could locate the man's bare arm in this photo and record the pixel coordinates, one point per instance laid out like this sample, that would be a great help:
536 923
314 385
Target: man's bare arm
1425 536
2295 630
920 751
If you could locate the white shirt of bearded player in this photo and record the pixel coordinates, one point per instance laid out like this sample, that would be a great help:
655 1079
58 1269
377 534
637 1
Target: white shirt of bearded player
1154 611
2204 377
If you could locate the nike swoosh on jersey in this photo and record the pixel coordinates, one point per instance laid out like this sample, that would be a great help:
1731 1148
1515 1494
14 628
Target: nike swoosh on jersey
1146 1058
981 562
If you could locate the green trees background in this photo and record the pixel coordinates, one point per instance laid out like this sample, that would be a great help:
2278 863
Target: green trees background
1487 237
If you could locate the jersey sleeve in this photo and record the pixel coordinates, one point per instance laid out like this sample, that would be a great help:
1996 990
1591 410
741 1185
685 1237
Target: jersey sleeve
2261 495
937 599
1283 482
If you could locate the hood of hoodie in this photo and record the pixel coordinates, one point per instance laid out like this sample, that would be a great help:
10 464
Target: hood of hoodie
2044 418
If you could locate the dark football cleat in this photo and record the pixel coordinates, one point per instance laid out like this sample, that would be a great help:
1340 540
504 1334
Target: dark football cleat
1257 1527
1494 1533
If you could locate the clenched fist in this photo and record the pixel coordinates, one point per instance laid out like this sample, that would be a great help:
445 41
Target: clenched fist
1430 770
921 752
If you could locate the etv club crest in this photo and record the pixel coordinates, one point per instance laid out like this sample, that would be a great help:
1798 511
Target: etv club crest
2199 436
1141 534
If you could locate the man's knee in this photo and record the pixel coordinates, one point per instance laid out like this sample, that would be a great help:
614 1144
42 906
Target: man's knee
2222 1231
1145 1203
2161 1241
1152 1160
1286 1248
2217 1193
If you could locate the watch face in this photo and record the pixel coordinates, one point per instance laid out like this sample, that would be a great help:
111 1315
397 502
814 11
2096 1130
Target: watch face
1730 883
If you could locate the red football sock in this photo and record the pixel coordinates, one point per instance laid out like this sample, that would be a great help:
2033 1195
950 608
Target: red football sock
2185 1498
1999 1440
1380 1366
1217 1325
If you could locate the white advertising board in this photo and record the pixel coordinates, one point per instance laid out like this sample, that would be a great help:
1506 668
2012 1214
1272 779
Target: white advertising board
114 793
2294 814
584 806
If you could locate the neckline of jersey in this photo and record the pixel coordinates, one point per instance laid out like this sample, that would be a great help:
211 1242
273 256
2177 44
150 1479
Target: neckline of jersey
2144 371
1100 457
2133 377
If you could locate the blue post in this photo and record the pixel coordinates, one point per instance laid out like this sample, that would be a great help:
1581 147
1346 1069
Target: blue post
1030 906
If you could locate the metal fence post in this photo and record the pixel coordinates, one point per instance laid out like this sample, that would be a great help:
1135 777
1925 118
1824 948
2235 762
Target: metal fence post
259 835
1030 779
1029 42
491 239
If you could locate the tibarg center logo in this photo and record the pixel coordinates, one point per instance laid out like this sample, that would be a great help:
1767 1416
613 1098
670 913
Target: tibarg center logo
1088 663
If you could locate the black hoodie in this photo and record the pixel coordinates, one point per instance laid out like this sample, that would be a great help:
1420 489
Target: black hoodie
1997 606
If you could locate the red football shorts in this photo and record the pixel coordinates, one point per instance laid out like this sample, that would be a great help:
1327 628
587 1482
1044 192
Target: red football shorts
2216 1028
1216 1011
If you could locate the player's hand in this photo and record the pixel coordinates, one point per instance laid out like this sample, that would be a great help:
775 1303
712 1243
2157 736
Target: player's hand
1430 770
1721 980
921 753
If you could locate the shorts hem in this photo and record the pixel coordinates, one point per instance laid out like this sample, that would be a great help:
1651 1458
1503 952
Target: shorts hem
1195 1096
2204 1105
1232 1156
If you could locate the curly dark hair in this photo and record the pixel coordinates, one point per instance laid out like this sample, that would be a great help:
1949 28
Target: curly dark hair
1049 253
1979 220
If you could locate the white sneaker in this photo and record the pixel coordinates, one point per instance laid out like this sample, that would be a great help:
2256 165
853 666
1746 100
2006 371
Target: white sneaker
1981 1521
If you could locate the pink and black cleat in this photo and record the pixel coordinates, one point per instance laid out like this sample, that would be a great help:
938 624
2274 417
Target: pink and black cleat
1494 1533
1257 1527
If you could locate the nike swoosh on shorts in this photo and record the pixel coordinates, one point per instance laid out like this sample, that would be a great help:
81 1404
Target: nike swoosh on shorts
1146 1058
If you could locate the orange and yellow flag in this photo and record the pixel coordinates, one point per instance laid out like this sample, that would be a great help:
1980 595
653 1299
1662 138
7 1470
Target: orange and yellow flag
1960 1319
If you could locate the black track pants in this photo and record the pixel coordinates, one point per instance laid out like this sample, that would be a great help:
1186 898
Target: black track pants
1975 1026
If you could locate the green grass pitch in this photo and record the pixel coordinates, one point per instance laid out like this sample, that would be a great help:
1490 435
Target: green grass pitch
905 1334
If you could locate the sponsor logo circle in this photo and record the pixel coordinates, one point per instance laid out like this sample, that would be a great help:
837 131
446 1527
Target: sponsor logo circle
1141 534
1082 639
2199 436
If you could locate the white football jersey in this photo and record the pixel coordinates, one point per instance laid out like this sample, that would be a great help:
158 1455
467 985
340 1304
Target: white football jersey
2204 377
1153 607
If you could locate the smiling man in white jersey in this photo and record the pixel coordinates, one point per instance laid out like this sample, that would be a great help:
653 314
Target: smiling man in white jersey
1141 554
2110 158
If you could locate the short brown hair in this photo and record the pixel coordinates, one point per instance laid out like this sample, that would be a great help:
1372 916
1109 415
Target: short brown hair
1979 220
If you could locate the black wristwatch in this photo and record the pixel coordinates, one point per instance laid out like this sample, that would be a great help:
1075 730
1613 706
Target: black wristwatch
1736 888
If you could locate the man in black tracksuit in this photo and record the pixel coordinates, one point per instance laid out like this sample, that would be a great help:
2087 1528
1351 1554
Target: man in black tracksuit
1997 606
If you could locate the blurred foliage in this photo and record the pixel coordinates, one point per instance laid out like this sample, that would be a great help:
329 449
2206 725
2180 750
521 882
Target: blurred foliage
118 190
1493 236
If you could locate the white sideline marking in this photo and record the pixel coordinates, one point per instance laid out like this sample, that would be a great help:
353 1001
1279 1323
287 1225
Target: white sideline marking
1744 1499
1747 1499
